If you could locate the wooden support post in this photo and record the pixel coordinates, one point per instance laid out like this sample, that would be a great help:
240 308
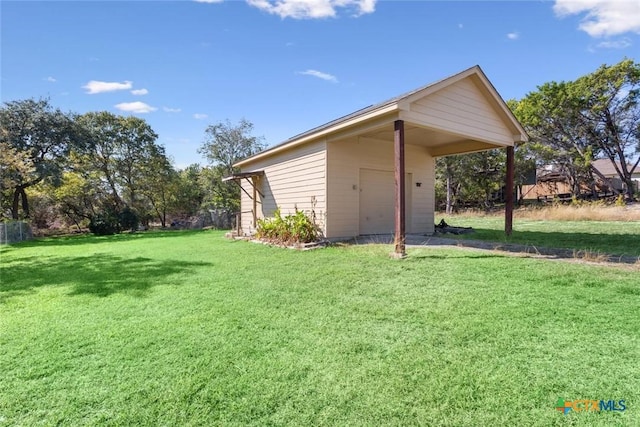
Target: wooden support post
398 156
508 209
254 184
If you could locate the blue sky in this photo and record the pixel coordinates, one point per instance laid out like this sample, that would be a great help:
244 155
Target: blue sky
290 65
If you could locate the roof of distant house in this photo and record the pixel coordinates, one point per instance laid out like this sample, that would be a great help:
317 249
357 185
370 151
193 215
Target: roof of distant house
606 168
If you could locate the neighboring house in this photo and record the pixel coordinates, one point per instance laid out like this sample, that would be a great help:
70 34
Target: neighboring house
552 183
606 168
343 171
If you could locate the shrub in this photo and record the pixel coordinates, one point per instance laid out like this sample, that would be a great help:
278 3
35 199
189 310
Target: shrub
128 219
104 224
109 222
290 229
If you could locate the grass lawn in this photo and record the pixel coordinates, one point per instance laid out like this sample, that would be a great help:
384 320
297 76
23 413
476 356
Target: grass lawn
606 237
187 328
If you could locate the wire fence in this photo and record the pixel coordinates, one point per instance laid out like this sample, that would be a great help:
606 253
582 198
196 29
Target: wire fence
14 231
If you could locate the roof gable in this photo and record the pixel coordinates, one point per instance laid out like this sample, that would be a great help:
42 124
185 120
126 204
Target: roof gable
472 94
473 79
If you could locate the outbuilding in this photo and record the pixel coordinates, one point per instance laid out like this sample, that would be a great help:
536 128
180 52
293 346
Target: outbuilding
373 171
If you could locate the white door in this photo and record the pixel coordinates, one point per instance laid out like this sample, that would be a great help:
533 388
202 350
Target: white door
377 200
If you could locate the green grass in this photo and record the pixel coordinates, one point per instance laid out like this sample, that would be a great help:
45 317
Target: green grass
606 237
187 328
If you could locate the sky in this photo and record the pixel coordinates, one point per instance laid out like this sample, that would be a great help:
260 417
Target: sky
290 65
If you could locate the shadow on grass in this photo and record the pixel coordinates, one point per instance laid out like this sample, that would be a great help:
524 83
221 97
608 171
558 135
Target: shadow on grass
609 247
469 255
99 275
84 239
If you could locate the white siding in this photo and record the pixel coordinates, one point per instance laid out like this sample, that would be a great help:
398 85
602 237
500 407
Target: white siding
291 179
347 157
463 109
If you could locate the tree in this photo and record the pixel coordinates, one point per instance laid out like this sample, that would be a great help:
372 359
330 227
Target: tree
159 182
448 181
550 118
37 139
119 149
224 145
572 123
77 198
14 164
470 178
191 190
609 115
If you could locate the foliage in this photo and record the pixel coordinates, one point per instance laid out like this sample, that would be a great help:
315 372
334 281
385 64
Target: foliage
572 123
288 229
188 328
121 150
76 167
470 179
128 219
109 221
609 115
225 144
77 197
192 186
158 182
35 138
105 223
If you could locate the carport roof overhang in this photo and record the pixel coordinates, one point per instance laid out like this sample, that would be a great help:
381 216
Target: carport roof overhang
376 122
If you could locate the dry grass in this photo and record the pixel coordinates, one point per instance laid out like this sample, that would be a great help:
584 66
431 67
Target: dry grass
585 212
590 256
581 212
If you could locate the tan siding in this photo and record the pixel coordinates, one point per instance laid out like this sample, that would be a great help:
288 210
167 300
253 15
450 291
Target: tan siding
345 160
461 108
291 179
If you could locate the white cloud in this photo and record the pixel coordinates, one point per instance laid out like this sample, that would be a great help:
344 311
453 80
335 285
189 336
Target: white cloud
208 1
615 44
139 92
171 110
50 79
320 75
313 9
200 116
513 36
95 86
135 107
602 17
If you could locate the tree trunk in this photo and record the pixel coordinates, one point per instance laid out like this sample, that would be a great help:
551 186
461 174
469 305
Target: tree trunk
630 183
25 203
16 203
19 194
449 206
604 179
